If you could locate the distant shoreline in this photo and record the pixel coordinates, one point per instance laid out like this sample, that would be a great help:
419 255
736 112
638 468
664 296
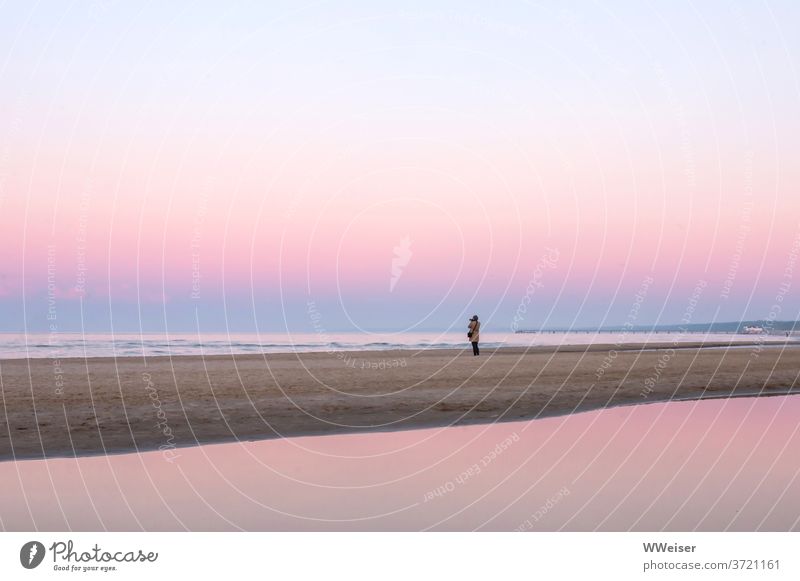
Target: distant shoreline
128 404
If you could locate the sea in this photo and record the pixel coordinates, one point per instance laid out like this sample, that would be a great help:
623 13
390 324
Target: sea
64 345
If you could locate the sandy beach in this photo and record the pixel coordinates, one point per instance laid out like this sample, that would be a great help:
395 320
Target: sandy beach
89 406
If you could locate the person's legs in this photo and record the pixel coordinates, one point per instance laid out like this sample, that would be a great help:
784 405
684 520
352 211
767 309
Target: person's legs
475 350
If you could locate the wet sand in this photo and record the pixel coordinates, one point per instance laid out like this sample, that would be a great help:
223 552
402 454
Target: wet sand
100 405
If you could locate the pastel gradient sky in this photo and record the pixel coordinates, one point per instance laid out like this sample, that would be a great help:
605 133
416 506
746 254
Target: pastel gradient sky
195 167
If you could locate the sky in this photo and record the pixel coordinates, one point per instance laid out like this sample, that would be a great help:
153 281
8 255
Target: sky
397 166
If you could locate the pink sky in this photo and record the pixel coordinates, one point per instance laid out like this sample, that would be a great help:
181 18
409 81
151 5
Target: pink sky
275 166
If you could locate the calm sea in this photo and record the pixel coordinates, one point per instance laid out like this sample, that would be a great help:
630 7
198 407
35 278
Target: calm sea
60 345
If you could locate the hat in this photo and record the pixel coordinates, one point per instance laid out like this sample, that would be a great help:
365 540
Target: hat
474 318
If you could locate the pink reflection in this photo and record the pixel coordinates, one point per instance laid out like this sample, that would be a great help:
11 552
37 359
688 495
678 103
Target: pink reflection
712 465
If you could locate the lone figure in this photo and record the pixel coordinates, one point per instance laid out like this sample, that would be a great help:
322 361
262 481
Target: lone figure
474 334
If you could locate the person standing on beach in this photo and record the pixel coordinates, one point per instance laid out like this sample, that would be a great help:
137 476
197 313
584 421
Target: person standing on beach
474 334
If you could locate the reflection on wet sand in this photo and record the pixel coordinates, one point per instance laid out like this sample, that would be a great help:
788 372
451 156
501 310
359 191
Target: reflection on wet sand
706 465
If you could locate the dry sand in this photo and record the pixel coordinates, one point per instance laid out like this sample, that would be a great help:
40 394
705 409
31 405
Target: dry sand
78 407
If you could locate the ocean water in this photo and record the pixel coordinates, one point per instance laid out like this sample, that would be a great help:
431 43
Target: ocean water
724 464
61 345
